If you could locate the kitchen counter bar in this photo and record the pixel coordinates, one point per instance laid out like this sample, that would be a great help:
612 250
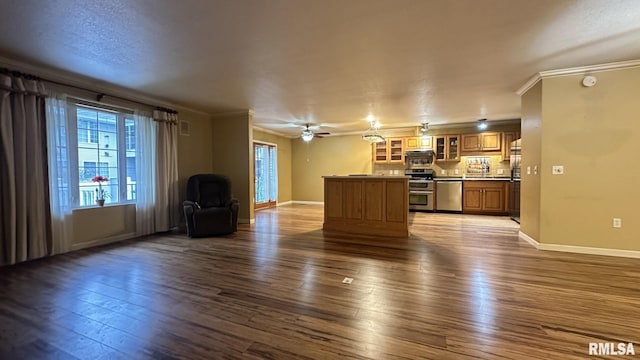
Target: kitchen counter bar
473 179
367 204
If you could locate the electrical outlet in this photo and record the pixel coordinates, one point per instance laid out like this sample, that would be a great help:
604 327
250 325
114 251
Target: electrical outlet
557 169
443 172
528 170
617 222
456 171
500 171
535 170
347 280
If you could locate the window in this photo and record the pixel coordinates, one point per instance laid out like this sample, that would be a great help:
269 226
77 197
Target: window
130 135
105 144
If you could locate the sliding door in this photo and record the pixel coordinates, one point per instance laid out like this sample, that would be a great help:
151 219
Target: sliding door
266 179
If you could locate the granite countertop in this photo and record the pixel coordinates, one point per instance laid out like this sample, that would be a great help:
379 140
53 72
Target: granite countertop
488 178
366 176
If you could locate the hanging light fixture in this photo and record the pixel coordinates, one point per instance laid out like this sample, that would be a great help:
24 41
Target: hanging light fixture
372 135
482 124
424 129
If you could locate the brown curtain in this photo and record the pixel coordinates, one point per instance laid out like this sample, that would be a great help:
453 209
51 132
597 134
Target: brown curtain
167 196
24 196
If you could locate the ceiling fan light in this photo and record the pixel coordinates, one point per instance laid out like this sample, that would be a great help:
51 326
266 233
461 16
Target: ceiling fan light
482 124
307 135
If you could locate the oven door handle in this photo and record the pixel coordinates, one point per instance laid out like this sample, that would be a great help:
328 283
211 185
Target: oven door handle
420 192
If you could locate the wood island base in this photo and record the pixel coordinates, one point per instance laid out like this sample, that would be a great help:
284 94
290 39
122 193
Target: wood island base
368 205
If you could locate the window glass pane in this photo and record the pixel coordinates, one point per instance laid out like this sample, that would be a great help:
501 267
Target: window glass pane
97 155
130 156
130 134
261 174
273 178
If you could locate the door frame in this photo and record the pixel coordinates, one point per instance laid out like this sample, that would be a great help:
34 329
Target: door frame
270 203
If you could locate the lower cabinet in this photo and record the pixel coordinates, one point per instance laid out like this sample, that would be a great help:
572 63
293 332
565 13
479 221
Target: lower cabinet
488 197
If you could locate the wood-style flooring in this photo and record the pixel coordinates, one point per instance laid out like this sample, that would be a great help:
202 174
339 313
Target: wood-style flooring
461 287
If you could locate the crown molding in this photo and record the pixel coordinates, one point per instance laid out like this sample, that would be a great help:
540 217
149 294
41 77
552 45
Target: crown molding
223 114
576 70
272 132
529 84
93 85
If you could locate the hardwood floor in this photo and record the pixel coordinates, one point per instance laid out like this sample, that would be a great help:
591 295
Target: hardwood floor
461 287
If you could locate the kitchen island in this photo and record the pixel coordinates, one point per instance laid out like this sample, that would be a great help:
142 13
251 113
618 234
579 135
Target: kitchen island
367 204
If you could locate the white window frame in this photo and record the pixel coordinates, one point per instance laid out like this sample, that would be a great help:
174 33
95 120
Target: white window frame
74 184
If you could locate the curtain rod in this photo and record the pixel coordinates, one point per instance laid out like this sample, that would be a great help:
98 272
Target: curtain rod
99 95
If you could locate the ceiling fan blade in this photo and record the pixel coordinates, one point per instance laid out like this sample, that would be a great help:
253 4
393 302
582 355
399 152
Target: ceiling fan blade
321 133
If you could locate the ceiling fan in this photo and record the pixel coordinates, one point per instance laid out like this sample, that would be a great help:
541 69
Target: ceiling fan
307 135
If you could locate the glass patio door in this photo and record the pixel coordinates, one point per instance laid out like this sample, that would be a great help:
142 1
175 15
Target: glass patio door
266 179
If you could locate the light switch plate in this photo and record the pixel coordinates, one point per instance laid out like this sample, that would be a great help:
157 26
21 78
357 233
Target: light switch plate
456 171
528 170
500 171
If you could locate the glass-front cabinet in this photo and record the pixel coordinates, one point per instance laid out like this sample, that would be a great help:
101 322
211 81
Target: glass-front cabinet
447 148
390 151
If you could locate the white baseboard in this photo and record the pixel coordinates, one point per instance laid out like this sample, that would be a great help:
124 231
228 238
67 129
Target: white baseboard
590 250
92 243
246 221
579 249
308 202
284 203
529 239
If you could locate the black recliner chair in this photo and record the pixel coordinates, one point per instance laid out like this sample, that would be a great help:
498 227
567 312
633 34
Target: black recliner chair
210 208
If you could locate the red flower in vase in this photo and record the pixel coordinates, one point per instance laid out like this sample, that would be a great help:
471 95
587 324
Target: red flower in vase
100 194
99 179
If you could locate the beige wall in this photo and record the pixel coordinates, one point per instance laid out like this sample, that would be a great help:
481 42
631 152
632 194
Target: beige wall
232 145
531 153
334 155
284 147
195 152
98 225
595 133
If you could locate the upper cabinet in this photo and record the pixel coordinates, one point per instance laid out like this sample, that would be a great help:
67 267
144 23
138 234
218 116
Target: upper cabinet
487 141
418 142
389 152
507 139
447 148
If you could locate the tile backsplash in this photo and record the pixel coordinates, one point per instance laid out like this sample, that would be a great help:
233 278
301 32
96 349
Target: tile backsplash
469 165
493 167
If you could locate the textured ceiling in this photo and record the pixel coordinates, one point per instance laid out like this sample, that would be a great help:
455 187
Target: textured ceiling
329 62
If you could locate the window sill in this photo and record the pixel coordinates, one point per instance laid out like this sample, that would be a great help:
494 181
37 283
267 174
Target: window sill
92 207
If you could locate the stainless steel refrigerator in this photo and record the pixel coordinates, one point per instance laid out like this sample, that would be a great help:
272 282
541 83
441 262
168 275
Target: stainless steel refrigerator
514 184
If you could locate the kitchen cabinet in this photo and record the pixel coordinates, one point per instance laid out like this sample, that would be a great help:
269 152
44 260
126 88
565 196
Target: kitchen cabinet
418 142
447 148
390 151
481 142
507 138
484 196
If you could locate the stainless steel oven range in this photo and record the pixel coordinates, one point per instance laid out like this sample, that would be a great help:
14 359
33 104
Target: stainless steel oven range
421 186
